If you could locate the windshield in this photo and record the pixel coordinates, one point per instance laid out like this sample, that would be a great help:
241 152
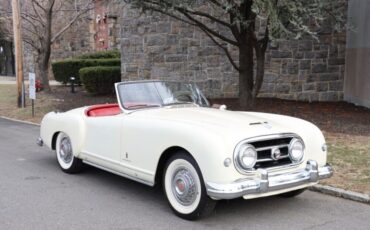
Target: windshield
137 95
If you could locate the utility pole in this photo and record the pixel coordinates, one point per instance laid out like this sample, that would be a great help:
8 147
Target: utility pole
18 52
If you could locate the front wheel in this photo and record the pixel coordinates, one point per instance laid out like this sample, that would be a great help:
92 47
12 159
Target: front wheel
67 162
184 188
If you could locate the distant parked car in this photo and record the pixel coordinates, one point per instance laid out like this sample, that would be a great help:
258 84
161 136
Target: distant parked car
166 132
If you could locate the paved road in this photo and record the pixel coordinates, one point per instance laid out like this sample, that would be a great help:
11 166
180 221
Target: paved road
35 194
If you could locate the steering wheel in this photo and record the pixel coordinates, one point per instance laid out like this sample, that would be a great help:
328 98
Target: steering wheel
184 96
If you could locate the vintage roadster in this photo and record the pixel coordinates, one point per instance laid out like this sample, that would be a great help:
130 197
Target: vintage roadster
166 133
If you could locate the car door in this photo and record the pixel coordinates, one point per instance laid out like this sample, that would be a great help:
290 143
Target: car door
138 156
103 140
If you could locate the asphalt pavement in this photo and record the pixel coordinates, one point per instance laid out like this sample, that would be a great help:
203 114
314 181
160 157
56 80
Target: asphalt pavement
36 194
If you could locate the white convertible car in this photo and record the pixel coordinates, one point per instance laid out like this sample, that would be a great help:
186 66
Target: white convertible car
166 132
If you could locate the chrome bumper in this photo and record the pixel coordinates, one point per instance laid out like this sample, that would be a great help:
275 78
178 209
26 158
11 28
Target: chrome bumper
269 183
40 142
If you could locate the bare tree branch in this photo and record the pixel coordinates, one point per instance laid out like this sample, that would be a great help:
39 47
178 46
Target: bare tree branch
206 28
37 13
173 16
198 23
212 18
31 43
32 23
71 22
224 49
39 5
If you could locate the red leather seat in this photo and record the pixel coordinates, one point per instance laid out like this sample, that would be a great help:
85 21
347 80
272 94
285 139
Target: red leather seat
103 110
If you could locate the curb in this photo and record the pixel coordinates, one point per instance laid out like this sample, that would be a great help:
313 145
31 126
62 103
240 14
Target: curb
338 192
16 120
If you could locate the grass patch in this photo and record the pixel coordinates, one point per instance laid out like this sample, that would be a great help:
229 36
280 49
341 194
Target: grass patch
8 104
350 157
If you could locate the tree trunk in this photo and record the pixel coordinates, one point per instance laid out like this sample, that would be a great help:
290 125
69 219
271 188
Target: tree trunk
44 53
260 59
260 47
246 74
43 70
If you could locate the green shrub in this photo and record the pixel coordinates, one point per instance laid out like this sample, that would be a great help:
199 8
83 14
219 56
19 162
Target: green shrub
99 79
101 55
65 69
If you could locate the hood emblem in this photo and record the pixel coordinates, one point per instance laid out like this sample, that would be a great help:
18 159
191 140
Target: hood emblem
265 124
275 154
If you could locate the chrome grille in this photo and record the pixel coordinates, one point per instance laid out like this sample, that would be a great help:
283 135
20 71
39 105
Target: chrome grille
265 148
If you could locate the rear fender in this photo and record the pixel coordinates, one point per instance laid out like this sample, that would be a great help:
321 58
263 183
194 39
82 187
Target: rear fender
70 124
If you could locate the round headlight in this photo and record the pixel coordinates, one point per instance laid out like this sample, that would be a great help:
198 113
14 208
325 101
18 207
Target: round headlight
296 150
247 156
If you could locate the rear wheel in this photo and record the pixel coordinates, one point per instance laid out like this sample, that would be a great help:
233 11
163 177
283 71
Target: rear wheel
184 187
292 193
67 162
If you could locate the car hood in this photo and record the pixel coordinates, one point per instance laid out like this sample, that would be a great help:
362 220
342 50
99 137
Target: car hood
240 125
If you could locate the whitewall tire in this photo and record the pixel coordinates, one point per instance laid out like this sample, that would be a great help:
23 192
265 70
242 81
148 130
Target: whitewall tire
67 162
184 187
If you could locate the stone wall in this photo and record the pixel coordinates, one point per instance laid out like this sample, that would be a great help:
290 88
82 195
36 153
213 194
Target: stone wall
306 70
87 33
158 47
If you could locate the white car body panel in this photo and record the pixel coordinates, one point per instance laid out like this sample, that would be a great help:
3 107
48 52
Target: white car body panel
133 143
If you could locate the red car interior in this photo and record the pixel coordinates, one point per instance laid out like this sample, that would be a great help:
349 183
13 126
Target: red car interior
103 110
110 109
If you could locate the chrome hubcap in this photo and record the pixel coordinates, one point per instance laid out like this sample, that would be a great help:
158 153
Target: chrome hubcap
65 151
184 187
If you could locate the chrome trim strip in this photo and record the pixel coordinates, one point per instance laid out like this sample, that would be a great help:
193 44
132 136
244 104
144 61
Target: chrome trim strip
270 137
269 159
264 160
88 154
119 98
269 183
272 147
118 173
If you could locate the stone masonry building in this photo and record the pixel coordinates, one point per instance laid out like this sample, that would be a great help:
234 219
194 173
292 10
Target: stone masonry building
159 47
99 30
94 31
155 46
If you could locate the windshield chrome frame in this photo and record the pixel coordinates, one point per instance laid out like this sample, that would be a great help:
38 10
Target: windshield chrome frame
128 111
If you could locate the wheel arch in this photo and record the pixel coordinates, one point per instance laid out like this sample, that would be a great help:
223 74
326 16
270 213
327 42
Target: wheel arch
166 154
75 140
54 140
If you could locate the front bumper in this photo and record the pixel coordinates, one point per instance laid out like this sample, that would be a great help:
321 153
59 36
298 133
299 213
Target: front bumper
269 183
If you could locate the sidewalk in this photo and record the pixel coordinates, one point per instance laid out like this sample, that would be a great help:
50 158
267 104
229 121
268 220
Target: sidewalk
12 80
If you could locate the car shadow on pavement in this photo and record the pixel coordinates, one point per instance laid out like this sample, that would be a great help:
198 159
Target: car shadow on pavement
224 208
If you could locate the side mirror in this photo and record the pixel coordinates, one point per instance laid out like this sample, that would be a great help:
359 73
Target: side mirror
223 107
220 107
